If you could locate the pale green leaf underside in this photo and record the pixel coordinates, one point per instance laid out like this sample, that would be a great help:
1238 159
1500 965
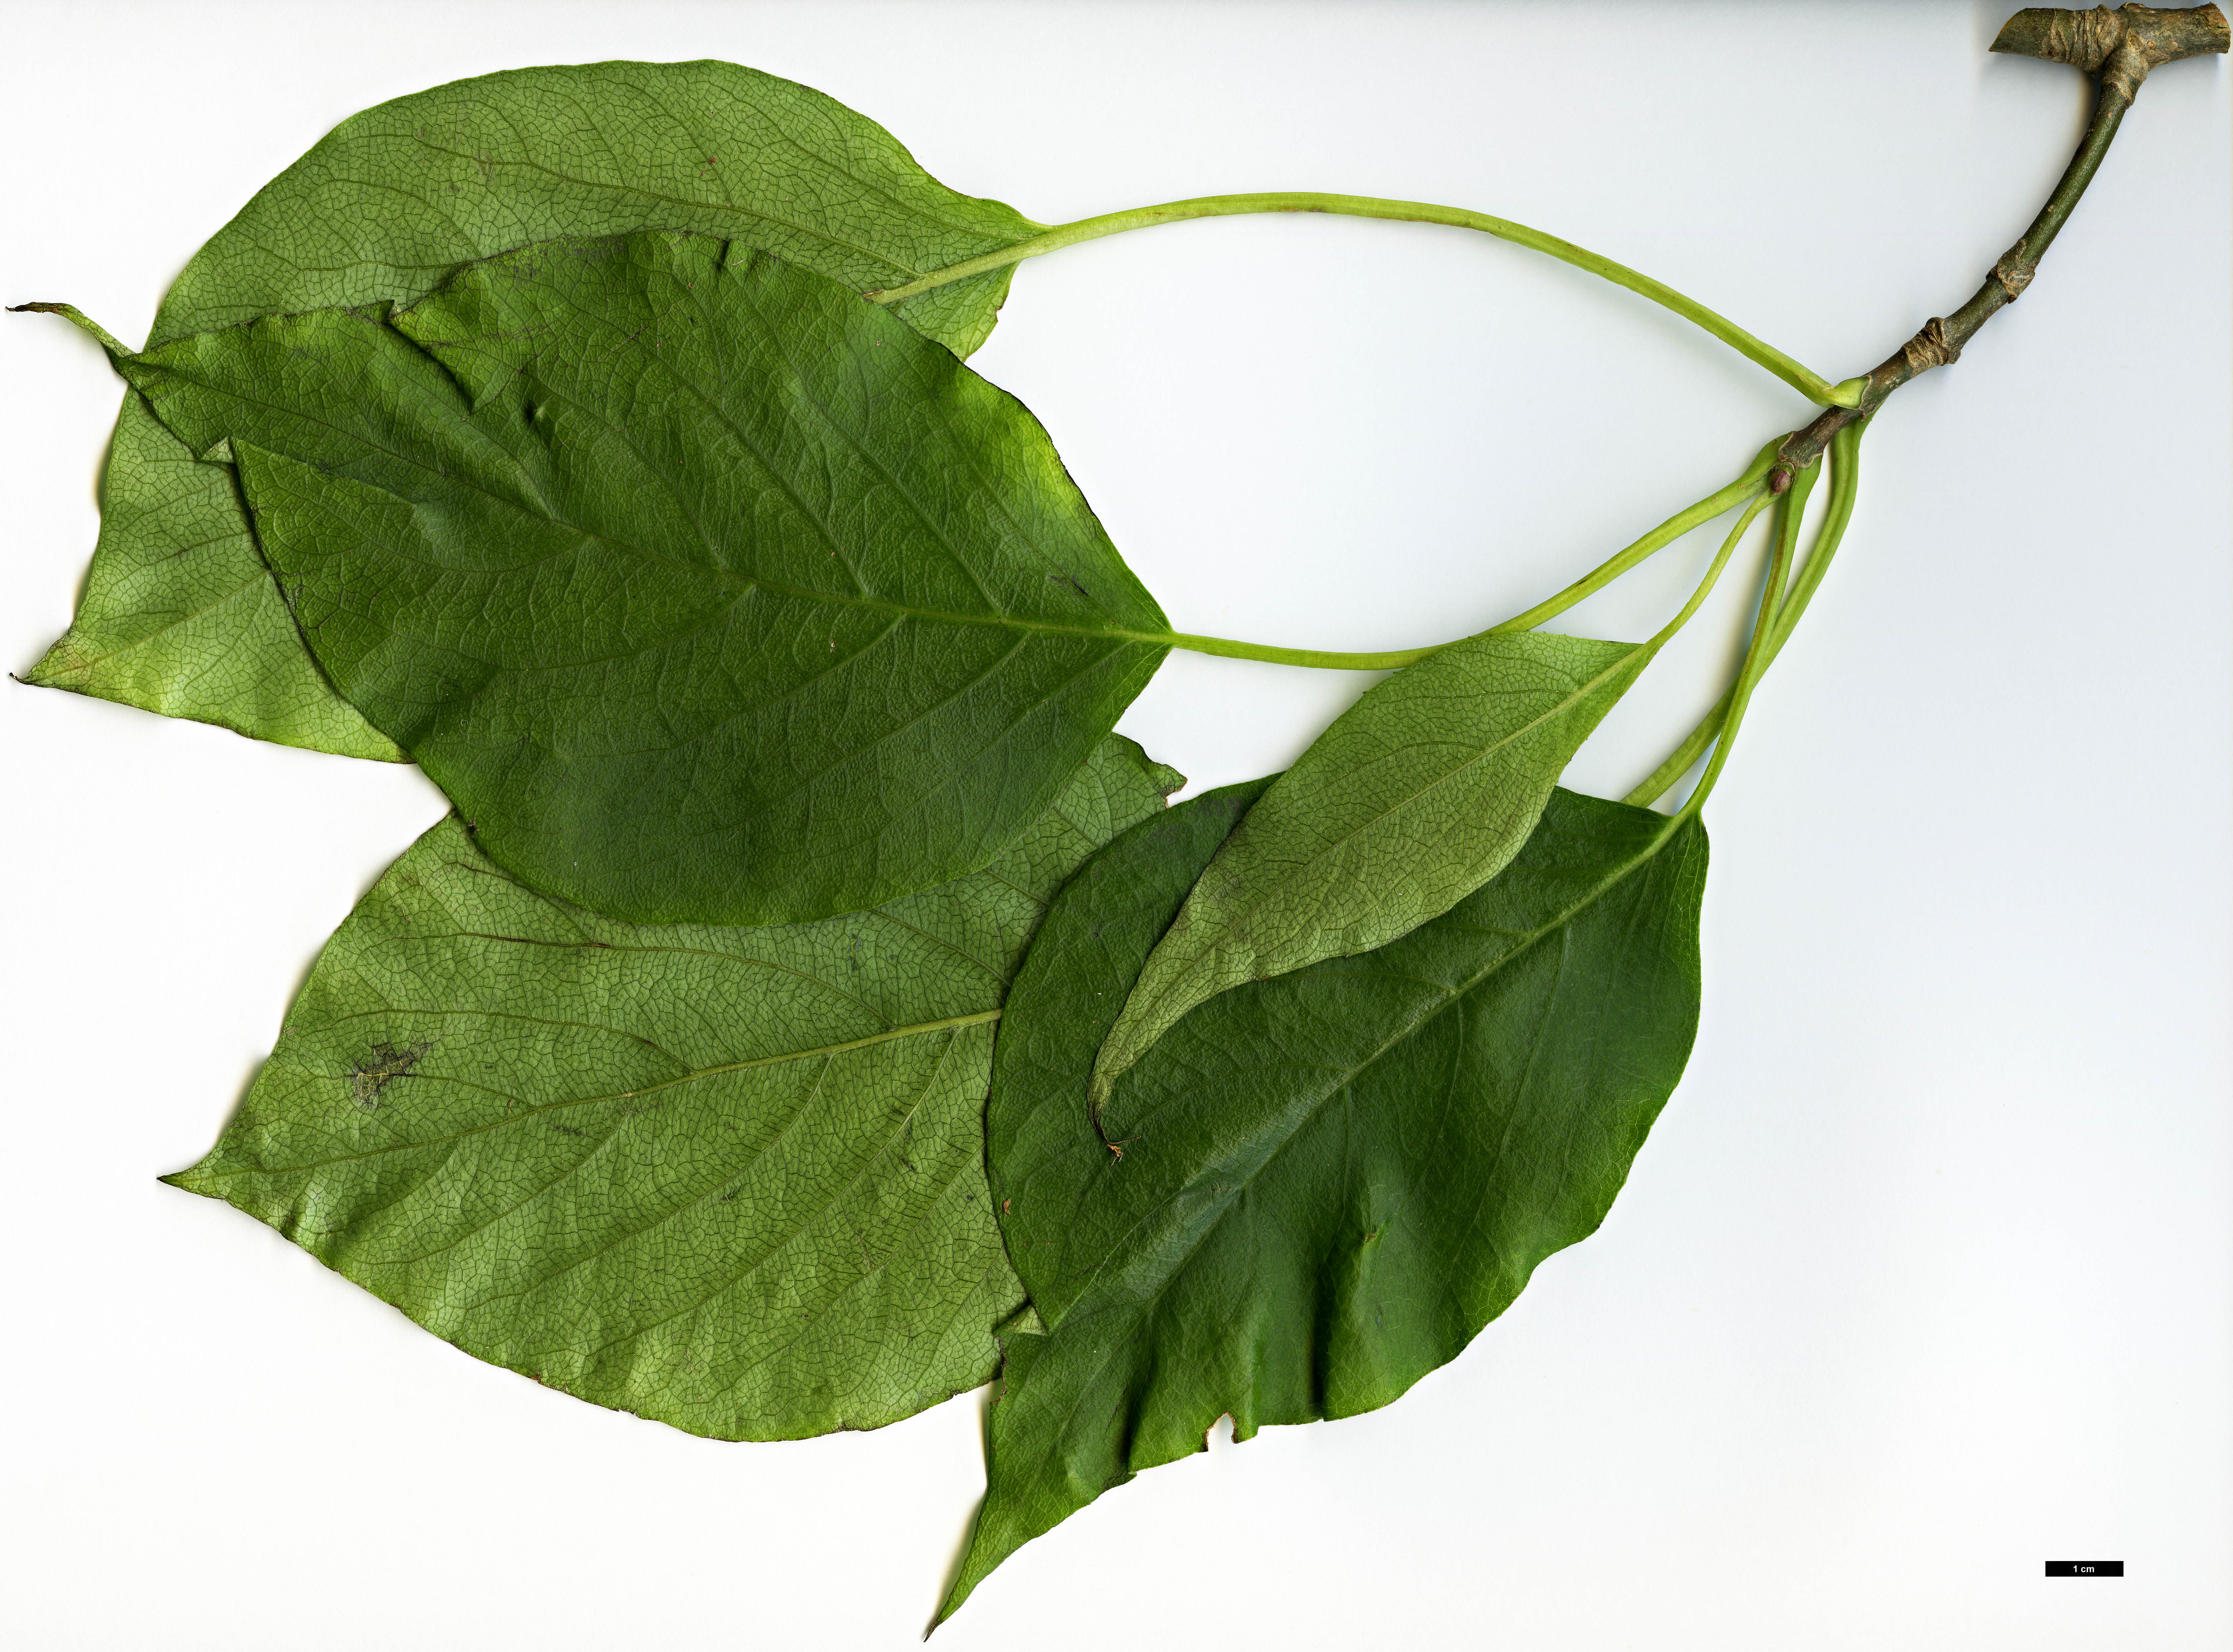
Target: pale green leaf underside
179 615
1411 800
729 1179
1330 1180
707 591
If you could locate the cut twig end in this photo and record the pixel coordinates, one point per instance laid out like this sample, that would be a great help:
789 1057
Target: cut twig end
2088 40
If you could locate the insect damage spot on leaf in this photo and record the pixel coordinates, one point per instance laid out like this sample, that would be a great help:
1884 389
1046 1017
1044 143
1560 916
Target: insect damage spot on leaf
738 1164
386 1064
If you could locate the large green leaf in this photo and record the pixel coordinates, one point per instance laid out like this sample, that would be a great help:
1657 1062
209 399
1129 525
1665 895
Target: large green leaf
731 1179
179 615
707 591
1330 1181
1411 800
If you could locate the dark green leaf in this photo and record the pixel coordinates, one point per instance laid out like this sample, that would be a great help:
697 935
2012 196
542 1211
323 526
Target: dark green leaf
715 593
1411 800
1330 1181
178 614
732 1179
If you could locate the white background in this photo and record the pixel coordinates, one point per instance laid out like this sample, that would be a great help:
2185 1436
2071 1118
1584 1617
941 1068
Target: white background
1923 1278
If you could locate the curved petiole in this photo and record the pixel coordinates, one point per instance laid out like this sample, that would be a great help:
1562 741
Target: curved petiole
1658 539
1844 459
1748 674
1751 483
1705 586
1799 377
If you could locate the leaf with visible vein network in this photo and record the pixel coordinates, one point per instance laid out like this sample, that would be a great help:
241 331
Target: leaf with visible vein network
729 1179
708 591
1411 800
1330 1180
179 613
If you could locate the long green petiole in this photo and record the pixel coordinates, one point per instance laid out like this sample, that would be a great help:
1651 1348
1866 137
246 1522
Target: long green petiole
1705 586
1319 659
1751 483
1808 383
1755 659
1658 539
1844 460
1788 521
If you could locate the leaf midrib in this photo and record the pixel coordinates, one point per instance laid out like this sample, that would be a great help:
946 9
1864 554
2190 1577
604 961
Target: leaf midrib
741 582
1483 755
531 1110
1450 995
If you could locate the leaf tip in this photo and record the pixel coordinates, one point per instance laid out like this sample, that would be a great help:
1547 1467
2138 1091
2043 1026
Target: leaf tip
955 1595
77 318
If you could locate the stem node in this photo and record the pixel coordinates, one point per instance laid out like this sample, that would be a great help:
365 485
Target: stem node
2121 47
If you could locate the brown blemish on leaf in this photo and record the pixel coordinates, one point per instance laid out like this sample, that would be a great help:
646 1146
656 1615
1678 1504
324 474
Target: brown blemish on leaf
386 1064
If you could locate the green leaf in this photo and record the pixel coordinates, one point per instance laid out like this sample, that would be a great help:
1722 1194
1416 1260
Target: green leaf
1331 1180
179 615
392 199
707 591
1411 800
729 1179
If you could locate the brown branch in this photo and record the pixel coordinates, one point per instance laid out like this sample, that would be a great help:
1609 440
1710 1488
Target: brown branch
2119 47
